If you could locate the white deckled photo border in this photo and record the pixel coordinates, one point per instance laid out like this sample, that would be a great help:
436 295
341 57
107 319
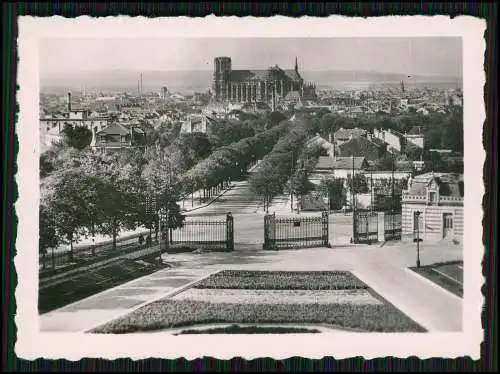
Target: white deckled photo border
32 343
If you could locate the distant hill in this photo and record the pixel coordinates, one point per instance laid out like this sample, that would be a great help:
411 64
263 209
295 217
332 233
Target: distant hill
190 81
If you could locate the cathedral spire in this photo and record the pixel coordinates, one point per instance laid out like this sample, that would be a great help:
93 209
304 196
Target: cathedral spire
296 64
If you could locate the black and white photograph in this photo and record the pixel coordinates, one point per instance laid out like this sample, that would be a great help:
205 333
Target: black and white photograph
189 188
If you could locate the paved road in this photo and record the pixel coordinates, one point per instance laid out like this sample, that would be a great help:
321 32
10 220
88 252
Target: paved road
244 205
248 214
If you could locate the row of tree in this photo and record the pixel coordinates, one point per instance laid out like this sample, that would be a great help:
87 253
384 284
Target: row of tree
280 164
94 193
231 161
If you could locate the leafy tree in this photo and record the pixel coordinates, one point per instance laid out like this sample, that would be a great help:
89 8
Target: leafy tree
360 183
65 199
334 189
230 132
274 118
78 137
47 232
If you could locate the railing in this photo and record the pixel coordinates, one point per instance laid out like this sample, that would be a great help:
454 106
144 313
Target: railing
205 234
61 260
365 227
299 232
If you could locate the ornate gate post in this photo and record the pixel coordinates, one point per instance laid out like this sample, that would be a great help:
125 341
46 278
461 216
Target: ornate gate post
269 231
266 232
354 238
229 232
324 229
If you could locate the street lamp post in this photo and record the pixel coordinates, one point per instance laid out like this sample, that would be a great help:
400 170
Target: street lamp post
417 214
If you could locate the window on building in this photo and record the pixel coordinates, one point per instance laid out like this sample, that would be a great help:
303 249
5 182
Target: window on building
432 197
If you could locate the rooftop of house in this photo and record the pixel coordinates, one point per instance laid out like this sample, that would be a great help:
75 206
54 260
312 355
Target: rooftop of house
347 133
449 184
324 162
343 163
355 163
415 130
262 75
318 140
119 129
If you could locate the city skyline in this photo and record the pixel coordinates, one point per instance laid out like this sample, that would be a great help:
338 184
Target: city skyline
436 56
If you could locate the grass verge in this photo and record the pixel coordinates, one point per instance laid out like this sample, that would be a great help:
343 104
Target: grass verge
94 281
441 277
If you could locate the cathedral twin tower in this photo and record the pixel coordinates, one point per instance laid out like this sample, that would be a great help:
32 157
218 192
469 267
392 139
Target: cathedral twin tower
256 85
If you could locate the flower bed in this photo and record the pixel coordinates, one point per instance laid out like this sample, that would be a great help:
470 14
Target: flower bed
169 313
283 280
249 296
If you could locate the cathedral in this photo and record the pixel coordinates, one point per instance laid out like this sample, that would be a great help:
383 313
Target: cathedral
269 86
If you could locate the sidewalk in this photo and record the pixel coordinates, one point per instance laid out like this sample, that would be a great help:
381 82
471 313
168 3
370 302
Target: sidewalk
189 204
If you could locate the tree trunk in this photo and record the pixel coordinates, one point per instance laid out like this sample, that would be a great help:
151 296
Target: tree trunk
114 234
71 249
53 260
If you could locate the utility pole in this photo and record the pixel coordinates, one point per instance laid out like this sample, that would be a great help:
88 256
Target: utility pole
291 185
353 193
392 199
371 189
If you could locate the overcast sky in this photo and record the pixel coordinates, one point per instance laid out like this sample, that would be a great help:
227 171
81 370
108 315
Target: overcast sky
426 56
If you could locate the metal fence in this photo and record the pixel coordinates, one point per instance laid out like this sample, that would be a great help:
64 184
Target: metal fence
61 259
392 226
295 232
365 227
206 234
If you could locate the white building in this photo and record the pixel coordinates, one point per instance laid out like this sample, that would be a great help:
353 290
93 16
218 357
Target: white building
432 207
52 126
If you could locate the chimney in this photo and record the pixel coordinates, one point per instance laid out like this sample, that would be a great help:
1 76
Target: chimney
69 102
131 134
94 137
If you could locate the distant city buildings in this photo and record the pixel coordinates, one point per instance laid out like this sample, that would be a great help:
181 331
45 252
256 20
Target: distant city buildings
51 126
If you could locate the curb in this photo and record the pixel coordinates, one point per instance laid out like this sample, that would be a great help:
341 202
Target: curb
432 284
210 202
162 296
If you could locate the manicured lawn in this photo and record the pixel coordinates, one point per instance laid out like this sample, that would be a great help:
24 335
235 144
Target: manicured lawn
283 280
446 275
335 298
93 281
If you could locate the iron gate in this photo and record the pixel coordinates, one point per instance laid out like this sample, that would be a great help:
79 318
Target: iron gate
365 227
295 232
213 234
392 226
